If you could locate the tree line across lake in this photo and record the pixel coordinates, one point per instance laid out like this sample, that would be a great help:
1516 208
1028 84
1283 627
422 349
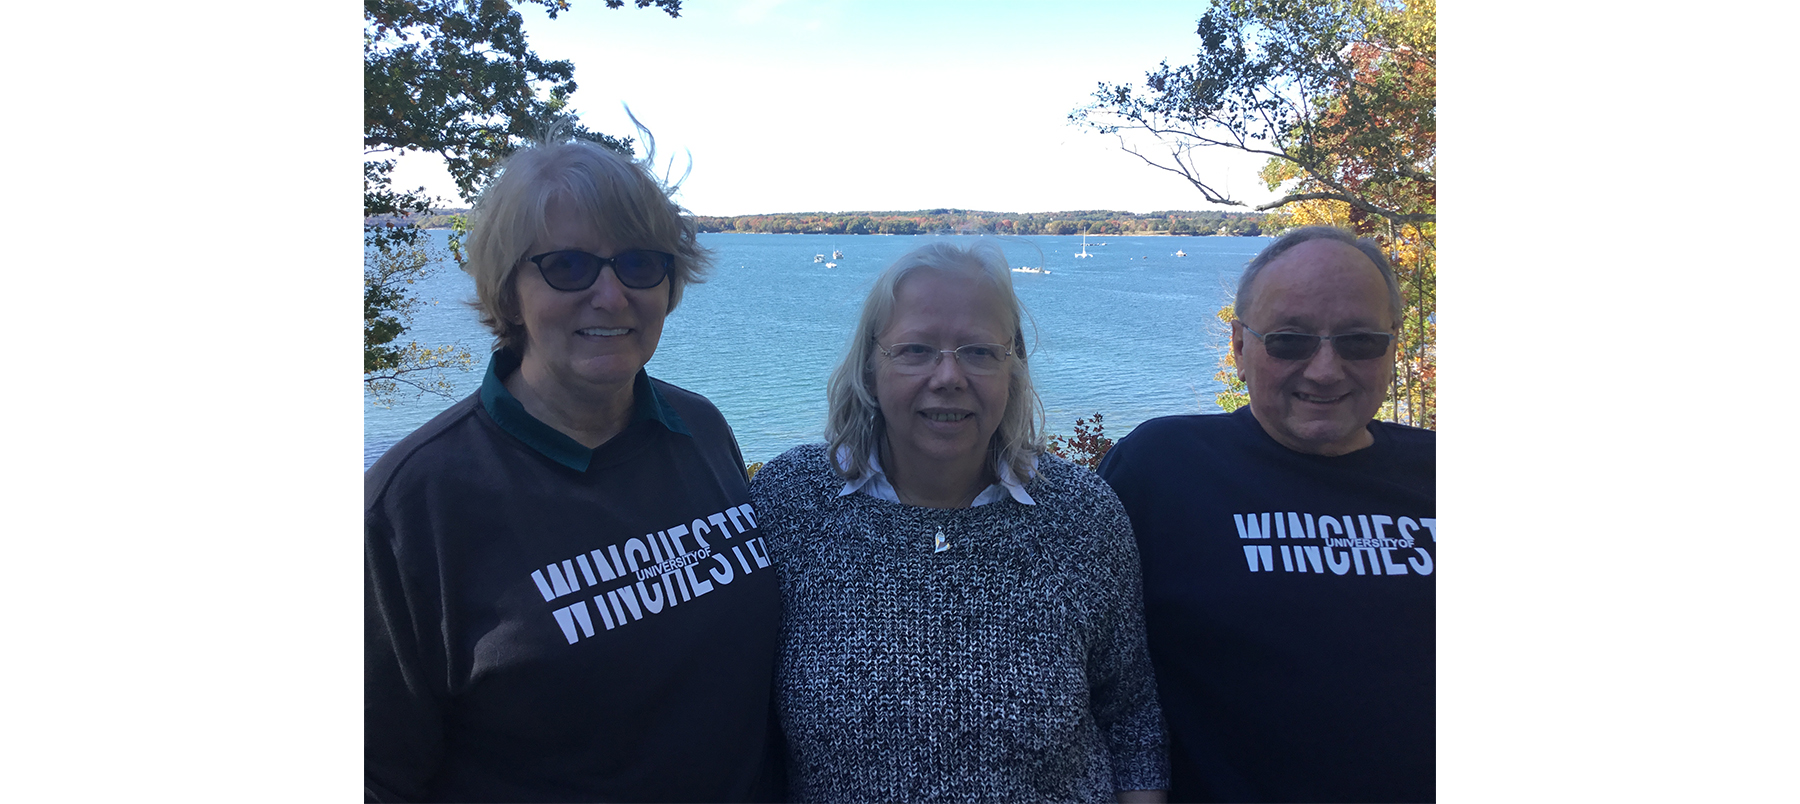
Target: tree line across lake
1099 222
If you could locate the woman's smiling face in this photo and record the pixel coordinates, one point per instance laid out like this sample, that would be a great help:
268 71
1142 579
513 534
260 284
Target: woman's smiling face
946 417
592 341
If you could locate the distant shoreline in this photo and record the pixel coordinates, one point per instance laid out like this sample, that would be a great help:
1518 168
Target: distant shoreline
990 234
1095 223
878 234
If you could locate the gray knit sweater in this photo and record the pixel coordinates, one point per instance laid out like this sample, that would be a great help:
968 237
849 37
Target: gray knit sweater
1008 667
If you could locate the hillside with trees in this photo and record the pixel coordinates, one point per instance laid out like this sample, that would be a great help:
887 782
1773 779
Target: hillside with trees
1100 222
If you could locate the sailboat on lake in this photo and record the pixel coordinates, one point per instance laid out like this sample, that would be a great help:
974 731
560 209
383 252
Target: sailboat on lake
1084 251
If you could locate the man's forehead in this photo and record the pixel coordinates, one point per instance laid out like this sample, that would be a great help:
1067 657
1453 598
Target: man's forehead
1321 279
1321 255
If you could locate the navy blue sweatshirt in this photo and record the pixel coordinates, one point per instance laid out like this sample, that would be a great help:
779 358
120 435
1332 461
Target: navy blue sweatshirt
1290 608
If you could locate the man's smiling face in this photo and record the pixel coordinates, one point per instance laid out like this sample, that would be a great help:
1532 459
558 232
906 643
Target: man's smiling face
1322 404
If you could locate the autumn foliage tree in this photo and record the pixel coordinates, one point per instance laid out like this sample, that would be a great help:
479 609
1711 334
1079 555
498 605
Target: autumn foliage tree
1236 393
1086 447
1341 97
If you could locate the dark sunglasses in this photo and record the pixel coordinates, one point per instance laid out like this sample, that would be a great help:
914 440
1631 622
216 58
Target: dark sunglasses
1300 345
577 270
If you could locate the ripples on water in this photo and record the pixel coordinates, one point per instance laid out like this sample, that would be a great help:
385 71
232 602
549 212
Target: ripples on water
1129 332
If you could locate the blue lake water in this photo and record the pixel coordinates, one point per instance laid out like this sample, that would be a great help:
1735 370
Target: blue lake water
1129 332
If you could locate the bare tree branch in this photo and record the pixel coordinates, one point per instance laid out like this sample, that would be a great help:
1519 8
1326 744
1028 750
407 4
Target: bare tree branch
1291 82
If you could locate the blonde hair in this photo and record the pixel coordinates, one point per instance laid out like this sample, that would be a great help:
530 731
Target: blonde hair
622 198
853 417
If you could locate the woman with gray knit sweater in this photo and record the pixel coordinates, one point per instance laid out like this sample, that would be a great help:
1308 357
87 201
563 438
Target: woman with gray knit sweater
963 617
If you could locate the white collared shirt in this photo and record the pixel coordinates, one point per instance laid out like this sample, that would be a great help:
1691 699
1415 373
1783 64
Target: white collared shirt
875 483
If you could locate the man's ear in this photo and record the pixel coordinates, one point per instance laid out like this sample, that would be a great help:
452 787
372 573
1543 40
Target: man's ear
1237 346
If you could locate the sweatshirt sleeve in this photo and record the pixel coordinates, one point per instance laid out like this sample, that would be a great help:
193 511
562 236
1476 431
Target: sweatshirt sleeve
403 719
1123 684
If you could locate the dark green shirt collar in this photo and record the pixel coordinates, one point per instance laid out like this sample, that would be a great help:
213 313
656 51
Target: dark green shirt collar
505 410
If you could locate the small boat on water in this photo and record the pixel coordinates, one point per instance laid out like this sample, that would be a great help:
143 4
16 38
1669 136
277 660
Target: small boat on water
831 265
837 255
1180 253
1026 269
818 258
1084 252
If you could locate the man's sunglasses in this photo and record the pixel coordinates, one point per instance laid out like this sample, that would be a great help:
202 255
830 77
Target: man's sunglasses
577 270
1300 345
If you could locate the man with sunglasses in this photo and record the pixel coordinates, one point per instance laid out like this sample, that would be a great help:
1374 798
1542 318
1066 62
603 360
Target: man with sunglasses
1288 548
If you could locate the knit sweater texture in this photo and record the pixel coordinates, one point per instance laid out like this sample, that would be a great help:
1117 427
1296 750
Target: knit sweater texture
1009 666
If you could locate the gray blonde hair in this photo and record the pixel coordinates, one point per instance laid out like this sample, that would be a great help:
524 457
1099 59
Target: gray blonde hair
854 418
1367 246
621 197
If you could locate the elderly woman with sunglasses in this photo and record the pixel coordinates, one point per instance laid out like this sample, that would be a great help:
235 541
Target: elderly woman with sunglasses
566 594
962 615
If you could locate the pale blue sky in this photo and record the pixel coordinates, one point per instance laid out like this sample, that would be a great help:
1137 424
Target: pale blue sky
834 105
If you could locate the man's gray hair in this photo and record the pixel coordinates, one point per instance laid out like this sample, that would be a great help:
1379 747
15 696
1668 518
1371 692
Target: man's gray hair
853 414
1367 246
